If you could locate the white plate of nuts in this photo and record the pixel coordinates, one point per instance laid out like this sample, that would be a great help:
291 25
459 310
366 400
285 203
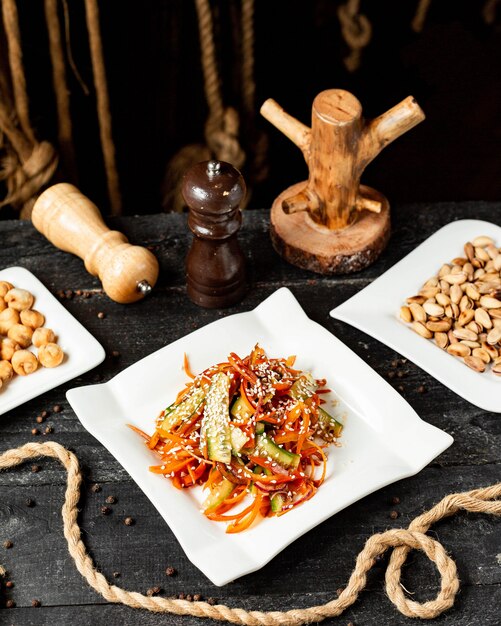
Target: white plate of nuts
440 306
41 344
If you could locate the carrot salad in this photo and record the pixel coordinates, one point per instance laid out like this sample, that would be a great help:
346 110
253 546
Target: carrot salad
252 426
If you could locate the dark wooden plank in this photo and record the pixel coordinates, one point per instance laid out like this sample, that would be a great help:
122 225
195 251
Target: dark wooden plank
40 565
307 572
475 605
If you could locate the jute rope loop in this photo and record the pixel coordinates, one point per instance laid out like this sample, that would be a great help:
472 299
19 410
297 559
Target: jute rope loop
356 30
401 540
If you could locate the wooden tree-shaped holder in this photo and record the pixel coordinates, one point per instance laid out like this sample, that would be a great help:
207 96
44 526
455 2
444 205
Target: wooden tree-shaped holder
331 224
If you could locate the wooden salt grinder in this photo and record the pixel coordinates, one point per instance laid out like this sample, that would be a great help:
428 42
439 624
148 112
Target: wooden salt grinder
215 265
74 224
331 224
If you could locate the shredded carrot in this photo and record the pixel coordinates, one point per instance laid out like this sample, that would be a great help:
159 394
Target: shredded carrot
278 416
186 367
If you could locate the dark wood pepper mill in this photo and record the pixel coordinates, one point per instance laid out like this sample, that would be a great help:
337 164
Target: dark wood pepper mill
215 265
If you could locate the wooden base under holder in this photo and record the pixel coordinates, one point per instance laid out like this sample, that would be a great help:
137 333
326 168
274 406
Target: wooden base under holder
310 245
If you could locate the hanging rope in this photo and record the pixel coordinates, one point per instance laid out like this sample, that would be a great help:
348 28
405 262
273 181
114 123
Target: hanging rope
27 166
221 129
356 30
401 540
103 105
258 170
489 11
11 24
419 18
64 126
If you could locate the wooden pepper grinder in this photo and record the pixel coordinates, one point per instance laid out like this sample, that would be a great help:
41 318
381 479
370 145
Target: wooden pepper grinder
74 224
331 224
215 265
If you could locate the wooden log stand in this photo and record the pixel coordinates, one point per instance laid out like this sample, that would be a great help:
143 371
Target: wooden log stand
331 224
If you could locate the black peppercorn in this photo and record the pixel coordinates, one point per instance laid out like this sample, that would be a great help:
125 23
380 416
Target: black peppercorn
197 597
10 604
111 500
9 584
211 601
30 502
101 315
170 571
36 603
35 468
394 514
395 500
128 521
7 544
96 488
57 408
105 510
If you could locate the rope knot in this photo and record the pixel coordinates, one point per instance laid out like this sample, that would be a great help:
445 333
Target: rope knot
222 138
356 30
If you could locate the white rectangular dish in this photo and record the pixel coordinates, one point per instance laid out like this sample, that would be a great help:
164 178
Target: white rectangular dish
375 310
384 440
82 351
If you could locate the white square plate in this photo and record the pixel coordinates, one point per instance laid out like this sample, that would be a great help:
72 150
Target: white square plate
375 310
384 439
82 351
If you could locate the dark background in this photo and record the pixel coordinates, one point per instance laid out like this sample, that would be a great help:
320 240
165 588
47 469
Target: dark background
152 57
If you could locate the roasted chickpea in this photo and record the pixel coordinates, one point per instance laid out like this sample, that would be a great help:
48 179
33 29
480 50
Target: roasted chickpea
8 318
7 348
50 355
24 362
5 287
6 371
21 334
3 304
32 318
19 299
43 335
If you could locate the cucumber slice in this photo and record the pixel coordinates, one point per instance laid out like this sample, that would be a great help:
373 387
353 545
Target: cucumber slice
238 439
265 446
277 502
218 495
259 428
328 428
176 414
215 426
240 410
304 387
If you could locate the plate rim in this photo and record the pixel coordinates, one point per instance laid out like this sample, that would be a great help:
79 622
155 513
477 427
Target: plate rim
432 354
440 443
100 353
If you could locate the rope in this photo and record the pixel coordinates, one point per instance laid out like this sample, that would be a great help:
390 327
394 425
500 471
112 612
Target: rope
401 540
221 129
11 24
489 11
419 18
356 30
103 105
64 131
248 82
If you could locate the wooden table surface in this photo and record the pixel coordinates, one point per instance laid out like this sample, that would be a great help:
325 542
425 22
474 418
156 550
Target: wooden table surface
311 569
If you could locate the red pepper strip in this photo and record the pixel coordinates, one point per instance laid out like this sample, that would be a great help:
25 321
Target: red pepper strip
140 432
243 524
283 386
176 481
323 391
186 367
239 365
289 361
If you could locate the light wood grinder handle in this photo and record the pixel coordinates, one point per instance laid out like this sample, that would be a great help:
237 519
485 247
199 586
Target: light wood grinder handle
74 224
